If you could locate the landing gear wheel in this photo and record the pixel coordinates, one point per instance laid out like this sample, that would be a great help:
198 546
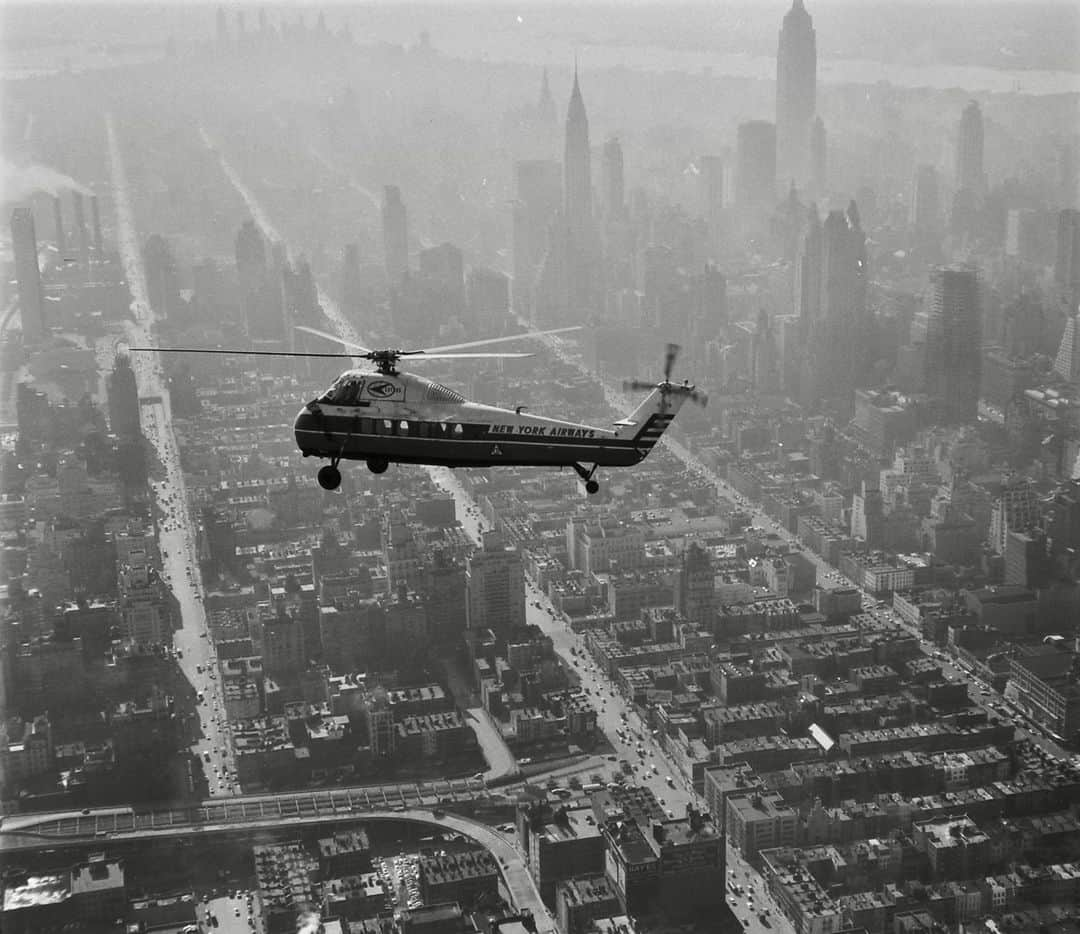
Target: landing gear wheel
586 474
378 464
329 477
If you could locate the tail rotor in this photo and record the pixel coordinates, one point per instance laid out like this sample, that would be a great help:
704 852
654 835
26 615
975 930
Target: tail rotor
666 387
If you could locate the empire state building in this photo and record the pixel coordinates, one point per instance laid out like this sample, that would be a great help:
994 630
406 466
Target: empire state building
796 95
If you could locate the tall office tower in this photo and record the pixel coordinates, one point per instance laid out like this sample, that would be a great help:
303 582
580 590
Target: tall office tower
837 326
395 235
443 267
925 212
250 258
969 150
819 158
796 94
755 164
613 181
1067 265
954 360
123 399
808 273
161 281
764 361
495 587
58 224
487 296
537 199
694 592
1017 509
95 223
80 231
28 274
577 168
545 106
1067 361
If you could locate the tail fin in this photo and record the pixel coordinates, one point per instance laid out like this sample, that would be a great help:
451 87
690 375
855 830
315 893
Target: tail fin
651 419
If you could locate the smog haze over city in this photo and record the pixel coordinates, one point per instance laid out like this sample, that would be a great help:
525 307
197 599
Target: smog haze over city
540 468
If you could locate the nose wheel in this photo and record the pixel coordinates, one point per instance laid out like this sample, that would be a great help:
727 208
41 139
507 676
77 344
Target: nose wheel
586 474
377 464
329 477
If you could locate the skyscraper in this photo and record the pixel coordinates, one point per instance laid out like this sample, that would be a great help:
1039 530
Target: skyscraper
27 274
831 280
250 258
755 158
495 587
614 185
545 106
577 167
808 272
123 399
969 150
796 94
954 359
537 199
925 213
1067 264
395 235
161 281
695 589
819 157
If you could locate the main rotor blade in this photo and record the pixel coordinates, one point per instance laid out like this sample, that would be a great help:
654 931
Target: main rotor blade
247 353
424 355
500 340
331 337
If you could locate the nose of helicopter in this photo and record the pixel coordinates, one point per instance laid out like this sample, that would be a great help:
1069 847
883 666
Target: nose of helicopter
303 428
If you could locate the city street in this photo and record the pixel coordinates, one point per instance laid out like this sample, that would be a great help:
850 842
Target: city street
176 533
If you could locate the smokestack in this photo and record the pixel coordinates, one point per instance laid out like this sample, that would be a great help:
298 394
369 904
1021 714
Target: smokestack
58 221
95 219
80 230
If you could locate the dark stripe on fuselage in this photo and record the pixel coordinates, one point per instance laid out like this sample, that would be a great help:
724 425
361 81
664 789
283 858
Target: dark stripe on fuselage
494 450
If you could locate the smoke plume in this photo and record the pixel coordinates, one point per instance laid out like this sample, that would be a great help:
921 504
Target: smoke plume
22 181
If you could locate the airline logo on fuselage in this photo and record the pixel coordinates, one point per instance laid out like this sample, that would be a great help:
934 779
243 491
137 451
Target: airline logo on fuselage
384 389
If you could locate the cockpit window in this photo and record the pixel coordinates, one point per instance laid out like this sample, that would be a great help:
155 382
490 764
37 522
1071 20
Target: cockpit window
439 393
345 391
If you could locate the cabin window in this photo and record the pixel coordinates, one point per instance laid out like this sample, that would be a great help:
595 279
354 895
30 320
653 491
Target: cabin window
367 426
458 431
387 427
423 429
403 427
345 391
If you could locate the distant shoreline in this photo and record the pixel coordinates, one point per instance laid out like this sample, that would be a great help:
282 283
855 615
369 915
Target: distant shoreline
973 79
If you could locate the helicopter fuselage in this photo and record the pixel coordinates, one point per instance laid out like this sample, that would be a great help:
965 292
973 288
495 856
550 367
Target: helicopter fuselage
404 418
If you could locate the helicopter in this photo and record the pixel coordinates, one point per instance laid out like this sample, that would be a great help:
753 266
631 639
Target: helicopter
384 416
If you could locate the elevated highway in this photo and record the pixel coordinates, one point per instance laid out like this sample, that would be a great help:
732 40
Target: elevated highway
274 812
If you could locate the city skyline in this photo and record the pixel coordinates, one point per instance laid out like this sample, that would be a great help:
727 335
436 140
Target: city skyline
297 641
